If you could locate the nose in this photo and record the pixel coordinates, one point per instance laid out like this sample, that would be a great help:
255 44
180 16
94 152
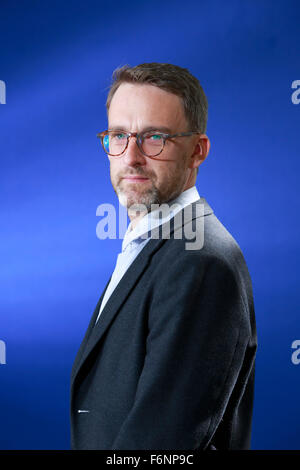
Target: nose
132 155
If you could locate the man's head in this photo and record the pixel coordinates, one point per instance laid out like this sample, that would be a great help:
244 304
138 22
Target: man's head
157 97
172 79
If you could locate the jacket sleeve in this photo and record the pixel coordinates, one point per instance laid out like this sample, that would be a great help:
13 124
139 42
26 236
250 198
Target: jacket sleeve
198 334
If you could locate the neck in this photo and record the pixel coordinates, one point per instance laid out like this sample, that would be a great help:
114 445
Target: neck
135 218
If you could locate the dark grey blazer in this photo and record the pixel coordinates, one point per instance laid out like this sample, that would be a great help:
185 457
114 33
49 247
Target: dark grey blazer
170 363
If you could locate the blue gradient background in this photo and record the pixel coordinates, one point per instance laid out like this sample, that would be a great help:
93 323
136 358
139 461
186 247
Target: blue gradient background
57 59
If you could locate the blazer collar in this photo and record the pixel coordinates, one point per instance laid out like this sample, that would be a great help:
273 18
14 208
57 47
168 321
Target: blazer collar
125 286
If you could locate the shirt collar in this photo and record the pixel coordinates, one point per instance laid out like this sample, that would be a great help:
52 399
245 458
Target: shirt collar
152 220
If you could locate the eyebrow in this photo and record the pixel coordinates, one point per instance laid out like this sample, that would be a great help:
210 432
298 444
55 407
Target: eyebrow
163 129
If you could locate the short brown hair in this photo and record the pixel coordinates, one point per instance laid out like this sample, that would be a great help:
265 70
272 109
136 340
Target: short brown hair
171 78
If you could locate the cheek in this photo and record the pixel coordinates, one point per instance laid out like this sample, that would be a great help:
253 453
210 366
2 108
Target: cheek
114 168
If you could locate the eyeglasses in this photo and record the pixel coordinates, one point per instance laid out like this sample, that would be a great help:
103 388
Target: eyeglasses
150 143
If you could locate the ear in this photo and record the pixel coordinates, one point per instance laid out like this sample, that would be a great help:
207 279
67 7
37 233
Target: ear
201 150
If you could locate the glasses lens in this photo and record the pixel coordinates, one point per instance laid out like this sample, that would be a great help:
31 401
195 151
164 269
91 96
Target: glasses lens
152 143
105 142
114 142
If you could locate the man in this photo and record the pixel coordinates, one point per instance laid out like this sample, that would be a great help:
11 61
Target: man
167 361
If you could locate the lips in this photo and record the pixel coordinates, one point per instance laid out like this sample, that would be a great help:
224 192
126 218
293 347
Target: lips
135 178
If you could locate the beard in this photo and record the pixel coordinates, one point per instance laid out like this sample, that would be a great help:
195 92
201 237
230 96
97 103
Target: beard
137 201
132 195
136 198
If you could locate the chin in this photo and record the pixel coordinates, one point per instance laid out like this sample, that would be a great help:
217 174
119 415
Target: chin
132 198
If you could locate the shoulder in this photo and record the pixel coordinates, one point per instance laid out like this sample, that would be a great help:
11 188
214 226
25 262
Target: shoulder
203 238
218 251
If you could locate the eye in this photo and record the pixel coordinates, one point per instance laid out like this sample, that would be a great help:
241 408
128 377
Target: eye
120 136
153 137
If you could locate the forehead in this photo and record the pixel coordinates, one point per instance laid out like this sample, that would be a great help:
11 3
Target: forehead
146 105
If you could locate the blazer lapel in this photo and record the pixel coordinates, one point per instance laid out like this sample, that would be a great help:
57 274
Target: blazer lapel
115 301
88 333
127 283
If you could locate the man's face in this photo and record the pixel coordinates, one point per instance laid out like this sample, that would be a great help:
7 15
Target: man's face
138 179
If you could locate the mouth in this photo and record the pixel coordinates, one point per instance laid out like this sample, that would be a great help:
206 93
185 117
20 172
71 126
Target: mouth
135 179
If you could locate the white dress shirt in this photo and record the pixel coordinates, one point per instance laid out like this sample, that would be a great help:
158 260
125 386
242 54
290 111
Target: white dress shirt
135 239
